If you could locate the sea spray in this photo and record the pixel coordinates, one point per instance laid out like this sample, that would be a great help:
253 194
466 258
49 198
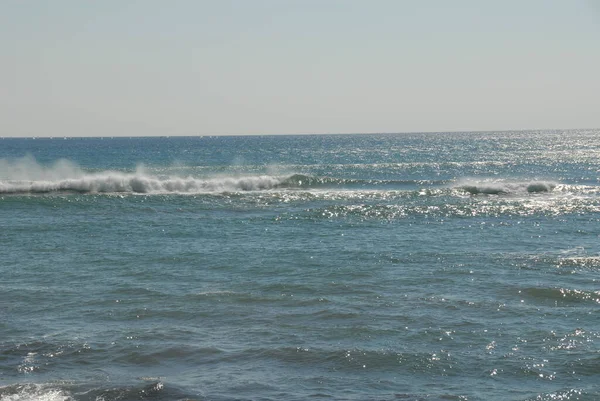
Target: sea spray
28 169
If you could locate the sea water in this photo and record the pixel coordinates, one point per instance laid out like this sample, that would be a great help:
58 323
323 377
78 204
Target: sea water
440 266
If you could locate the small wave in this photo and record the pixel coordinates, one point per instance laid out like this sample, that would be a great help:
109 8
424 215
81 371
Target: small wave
42 356
504 188
562 295
155 390
567 394
33 392
305 181
583 262
354 359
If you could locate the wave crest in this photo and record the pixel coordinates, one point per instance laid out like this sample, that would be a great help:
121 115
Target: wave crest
505 188
25 175
33 392
114 182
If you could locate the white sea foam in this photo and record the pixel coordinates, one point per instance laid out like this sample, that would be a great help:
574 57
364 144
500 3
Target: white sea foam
505 187
115 182
32 392
27 176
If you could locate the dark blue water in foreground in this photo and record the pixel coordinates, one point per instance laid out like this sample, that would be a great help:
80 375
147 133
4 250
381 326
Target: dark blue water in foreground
363 267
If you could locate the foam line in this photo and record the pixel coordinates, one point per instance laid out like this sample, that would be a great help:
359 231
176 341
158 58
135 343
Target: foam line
115 182
25 175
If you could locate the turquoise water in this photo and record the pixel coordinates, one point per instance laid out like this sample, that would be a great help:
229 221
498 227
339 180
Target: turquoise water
450 266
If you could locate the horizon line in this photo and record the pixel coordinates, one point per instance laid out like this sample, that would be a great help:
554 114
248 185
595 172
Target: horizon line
298 134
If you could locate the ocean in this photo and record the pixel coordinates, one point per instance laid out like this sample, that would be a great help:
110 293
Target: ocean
435 266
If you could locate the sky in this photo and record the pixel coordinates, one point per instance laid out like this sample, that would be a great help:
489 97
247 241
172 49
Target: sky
241 67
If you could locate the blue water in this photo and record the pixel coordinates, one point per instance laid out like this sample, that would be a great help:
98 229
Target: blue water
448 266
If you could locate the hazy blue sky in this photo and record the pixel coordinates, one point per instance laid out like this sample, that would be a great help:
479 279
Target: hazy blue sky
117 67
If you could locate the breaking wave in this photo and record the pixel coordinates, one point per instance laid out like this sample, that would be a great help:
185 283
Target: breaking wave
143 183
26 176
506 188
115 182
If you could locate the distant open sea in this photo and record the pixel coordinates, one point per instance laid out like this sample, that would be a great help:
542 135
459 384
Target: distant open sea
439 266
